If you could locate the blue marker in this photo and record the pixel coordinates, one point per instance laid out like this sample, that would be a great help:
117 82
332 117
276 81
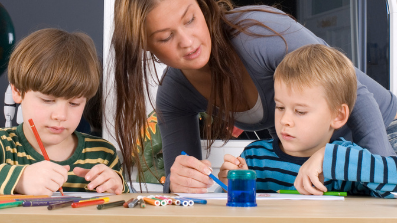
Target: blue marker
196 200
212 176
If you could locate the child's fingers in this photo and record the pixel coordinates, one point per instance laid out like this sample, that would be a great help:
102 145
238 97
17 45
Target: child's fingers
52 186
62 171
99 179
243 165
57 178
95 171
67 167
318 186
231 159
104 173
308 186
81 172
110 185
229 166
223 174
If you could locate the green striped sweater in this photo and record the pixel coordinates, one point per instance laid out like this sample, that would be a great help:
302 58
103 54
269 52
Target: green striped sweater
16 153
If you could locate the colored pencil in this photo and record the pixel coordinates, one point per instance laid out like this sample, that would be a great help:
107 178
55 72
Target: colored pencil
87 203
11 197
106 199
110 205
43 203
142 203
59 205
7 201
127 202
36 134
65 198
11 204
212 176
330 193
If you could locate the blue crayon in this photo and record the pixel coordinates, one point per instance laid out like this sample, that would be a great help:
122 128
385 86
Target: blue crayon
212 176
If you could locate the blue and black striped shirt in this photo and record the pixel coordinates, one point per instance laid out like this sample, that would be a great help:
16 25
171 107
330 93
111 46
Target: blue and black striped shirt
346 167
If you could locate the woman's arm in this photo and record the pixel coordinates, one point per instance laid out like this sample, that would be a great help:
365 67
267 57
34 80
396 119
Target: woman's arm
375 107
177 112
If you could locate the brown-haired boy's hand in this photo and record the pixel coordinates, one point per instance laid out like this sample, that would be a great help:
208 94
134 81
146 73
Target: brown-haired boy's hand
102 177
231 163
310 178
42 178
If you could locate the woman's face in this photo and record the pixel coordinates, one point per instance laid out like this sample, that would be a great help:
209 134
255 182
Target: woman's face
178 34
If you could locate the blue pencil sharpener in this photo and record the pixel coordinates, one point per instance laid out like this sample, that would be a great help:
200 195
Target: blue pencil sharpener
241 190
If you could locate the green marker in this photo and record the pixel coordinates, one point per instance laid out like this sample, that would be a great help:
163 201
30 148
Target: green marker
11 204
331 193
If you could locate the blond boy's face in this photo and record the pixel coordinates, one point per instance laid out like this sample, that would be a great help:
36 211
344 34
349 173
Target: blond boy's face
55 118
303 120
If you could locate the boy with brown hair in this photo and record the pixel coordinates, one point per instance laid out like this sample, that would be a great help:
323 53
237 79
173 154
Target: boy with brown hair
52 75
315 91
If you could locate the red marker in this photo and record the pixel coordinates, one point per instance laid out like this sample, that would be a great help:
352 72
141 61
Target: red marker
36 134
87 203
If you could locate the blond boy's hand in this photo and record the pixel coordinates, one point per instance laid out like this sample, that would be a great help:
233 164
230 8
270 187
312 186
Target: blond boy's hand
231 163
310 178
102 177
42 178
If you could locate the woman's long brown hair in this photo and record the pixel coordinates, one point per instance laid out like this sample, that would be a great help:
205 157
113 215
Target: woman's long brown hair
133 68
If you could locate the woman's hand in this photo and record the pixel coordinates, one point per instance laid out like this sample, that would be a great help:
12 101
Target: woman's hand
310 178
231 163
102 178
190 175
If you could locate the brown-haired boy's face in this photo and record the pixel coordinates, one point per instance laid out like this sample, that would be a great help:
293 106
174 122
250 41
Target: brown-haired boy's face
303 120
55 118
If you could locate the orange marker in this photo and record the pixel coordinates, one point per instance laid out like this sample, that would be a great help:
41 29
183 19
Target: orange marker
87 203
36 134
151 201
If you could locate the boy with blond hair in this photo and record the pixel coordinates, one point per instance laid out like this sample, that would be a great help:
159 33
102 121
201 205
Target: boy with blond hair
52 75
314 91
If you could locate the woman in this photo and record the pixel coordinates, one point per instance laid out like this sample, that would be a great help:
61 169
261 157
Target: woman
220 60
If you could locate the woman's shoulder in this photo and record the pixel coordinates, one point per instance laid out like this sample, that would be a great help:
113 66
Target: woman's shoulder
172 79
262 13
175 91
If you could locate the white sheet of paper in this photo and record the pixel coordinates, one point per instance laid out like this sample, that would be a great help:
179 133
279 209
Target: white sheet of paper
82 194
266 196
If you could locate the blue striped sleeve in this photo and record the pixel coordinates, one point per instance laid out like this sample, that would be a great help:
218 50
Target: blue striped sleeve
352 163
